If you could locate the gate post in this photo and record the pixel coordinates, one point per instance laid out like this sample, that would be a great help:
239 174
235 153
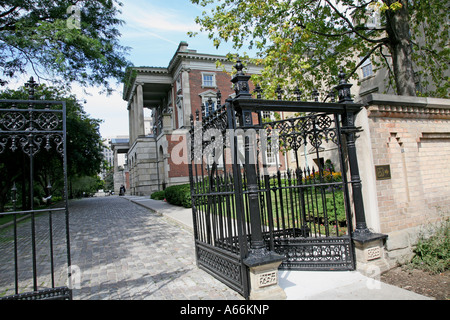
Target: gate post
366 242
349 130
262 263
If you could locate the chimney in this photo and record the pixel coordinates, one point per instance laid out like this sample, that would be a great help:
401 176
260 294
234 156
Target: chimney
183 47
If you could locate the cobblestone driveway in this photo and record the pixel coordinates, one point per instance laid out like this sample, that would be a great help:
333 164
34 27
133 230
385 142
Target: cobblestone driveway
124 251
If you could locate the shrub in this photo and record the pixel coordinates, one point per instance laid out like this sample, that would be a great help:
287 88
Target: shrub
158 195
433 254
179 195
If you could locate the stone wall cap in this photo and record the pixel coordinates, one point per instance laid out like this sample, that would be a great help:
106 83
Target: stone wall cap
395 100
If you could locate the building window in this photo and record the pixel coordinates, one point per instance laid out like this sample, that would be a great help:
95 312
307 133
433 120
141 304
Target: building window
367 69
271 154
374 19
268 115
209 80
210 105
209 97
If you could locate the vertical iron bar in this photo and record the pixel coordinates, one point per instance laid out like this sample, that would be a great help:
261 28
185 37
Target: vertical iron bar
66 197
33 222
290 196
317 203
268 202
277 213
307 207
335 211
208 206
269 211
321 180
280 191
16 266
50 223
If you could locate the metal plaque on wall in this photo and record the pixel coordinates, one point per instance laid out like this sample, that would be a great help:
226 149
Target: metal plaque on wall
383 172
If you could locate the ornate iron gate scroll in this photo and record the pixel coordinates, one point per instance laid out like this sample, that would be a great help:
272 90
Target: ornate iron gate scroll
308 203
32 262
243 201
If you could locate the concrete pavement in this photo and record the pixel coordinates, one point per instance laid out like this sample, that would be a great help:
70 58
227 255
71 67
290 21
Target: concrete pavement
119 251
303 285
122 251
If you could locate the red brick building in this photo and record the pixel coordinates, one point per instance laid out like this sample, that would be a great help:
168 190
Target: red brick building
169 95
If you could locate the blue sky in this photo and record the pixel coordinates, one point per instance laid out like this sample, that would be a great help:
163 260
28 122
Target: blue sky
153 30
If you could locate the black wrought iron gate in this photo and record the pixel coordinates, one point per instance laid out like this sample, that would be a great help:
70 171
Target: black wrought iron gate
263 185
35 259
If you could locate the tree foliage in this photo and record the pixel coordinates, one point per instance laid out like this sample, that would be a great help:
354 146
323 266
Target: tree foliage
306 42
61 42
84 150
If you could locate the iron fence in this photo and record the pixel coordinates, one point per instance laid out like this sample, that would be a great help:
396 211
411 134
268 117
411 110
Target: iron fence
248 210
32 251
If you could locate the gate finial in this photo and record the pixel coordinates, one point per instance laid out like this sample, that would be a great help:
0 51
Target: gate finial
240 80
239 67
343 89
31 84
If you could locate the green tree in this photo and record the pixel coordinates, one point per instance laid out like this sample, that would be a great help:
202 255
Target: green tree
308 41
84 151
65 43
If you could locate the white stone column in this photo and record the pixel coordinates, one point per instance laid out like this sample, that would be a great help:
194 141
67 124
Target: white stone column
130 123
186 103
140 111
135 114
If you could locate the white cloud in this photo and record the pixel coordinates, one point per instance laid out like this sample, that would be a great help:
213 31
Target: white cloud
111 109
143 18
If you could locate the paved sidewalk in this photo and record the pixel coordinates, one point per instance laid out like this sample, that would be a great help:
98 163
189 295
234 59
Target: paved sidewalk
123 252
126 252
303 285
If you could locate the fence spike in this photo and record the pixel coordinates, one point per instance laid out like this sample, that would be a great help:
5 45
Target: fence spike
279 92
219 98
298 93
197 115
258 90
315 95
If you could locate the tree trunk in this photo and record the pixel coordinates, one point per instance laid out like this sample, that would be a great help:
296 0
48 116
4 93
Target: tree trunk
400 47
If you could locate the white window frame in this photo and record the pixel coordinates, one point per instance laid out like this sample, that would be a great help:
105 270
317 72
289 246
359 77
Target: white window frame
268 115
367 69
206 96
374 19
209 84
271 157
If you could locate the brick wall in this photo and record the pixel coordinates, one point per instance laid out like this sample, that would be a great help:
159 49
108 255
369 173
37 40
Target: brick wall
223 82
419 190
413 138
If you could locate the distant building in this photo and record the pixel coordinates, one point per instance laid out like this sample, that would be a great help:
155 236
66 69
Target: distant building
119 149
107 156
